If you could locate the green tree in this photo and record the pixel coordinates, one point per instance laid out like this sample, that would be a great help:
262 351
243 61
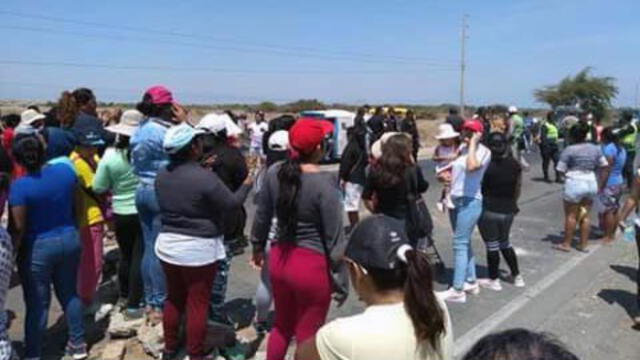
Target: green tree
267 106
591 93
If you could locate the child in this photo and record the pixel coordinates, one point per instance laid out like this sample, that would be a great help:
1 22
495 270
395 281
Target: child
90 215
445 153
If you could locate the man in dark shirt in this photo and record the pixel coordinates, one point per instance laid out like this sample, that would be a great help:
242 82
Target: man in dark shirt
352 172
455 120
376 125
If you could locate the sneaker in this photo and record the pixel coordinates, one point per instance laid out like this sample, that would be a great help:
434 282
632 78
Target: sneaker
133 314
471 288
490 284
518 281
453 295
440 206
450 204
76 352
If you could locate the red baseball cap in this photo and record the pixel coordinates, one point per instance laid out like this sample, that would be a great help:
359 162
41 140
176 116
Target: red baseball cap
473 126
160 95
307 133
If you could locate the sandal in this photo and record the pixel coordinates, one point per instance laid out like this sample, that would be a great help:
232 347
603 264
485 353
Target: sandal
561 248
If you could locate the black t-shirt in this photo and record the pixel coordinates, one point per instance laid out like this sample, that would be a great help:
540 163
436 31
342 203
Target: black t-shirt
392 200
499 185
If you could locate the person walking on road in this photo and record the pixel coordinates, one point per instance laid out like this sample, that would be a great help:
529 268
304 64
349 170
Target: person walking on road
549 147
352 172
305 262
466 192
147 158
517 136
115 174
501 188
611 183
48 245
192 200
388 185
579 163
408 126
403 320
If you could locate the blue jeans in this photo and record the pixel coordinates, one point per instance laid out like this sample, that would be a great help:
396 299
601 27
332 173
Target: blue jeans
219 289
43 261
155 288
463 219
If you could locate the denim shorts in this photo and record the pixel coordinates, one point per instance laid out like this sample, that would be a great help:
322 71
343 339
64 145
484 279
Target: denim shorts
581 188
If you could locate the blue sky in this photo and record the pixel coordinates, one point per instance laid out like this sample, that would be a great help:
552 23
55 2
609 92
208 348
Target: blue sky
345 51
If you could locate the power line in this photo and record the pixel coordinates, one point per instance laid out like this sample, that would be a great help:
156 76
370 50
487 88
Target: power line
50 31
188 69
285 50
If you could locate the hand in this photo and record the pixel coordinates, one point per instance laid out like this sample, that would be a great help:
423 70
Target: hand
475 138
257 260
209 161
180 114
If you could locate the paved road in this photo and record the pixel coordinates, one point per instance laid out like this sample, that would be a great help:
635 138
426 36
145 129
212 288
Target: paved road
584 298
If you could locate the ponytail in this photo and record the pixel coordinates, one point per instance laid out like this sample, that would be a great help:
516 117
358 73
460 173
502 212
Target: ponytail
287 202
68 109
420 300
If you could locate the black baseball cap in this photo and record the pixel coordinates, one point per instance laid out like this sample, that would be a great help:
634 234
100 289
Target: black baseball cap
375 241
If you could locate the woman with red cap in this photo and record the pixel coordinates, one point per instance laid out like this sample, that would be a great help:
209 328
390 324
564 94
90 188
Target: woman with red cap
305 262
466 193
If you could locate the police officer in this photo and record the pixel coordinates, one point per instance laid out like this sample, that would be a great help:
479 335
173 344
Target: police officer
549 148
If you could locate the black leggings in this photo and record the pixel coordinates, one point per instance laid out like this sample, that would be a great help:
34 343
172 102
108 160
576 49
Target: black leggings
627 171
549 153
129 237
494 229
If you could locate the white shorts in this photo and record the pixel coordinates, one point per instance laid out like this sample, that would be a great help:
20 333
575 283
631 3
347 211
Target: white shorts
352 196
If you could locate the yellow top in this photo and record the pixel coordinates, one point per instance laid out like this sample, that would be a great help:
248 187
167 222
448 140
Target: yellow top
88 210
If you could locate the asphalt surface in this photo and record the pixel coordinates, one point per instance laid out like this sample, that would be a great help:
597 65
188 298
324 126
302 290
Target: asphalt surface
561 287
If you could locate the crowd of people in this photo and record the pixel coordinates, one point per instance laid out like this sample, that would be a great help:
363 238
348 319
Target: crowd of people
171 189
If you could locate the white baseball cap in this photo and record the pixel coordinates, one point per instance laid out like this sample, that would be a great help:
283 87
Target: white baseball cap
214 123
279 141
376 148
513 109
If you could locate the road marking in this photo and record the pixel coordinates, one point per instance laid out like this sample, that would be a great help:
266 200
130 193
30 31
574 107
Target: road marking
466 341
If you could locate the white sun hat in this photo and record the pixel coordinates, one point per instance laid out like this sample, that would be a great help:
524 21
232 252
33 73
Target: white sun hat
129 123
513 109
446 131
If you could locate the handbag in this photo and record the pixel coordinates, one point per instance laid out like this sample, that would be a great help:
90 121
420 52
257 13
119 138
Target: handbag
419 224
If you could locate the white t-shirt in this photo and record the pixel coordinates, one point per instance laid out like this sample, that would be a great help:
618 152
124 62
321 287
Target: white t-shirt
257 132
381 332
185 250
444 151
465 183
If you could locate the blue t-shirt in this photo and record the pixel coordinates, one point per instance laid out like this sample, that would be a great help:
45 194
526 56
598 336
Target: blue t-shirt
49 198
619 156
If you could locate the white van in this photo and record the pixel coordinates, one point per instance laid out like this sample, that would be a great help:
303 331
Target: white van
342 120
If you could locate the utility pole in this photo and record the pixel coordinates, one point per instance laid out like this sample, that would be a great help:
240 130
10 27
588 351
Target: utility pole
463 63
637 95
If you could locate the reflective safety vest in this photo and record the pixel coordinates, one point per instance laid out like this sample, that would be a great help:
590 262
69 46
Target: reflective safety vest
629 140
552 131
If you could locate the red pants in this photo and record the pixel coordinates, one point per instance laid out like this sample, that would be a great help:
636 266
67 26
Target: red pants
187 288
301 293
90 270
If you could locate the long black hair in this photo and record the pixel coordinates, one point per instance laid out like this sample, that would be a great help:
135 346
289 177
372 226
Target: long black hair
6 168
149 109
122 146
287 202
29 152
420 303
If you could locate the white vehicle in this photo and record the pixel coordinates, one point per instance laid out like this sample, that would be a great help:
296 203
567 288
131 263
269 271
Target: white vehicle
342 120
